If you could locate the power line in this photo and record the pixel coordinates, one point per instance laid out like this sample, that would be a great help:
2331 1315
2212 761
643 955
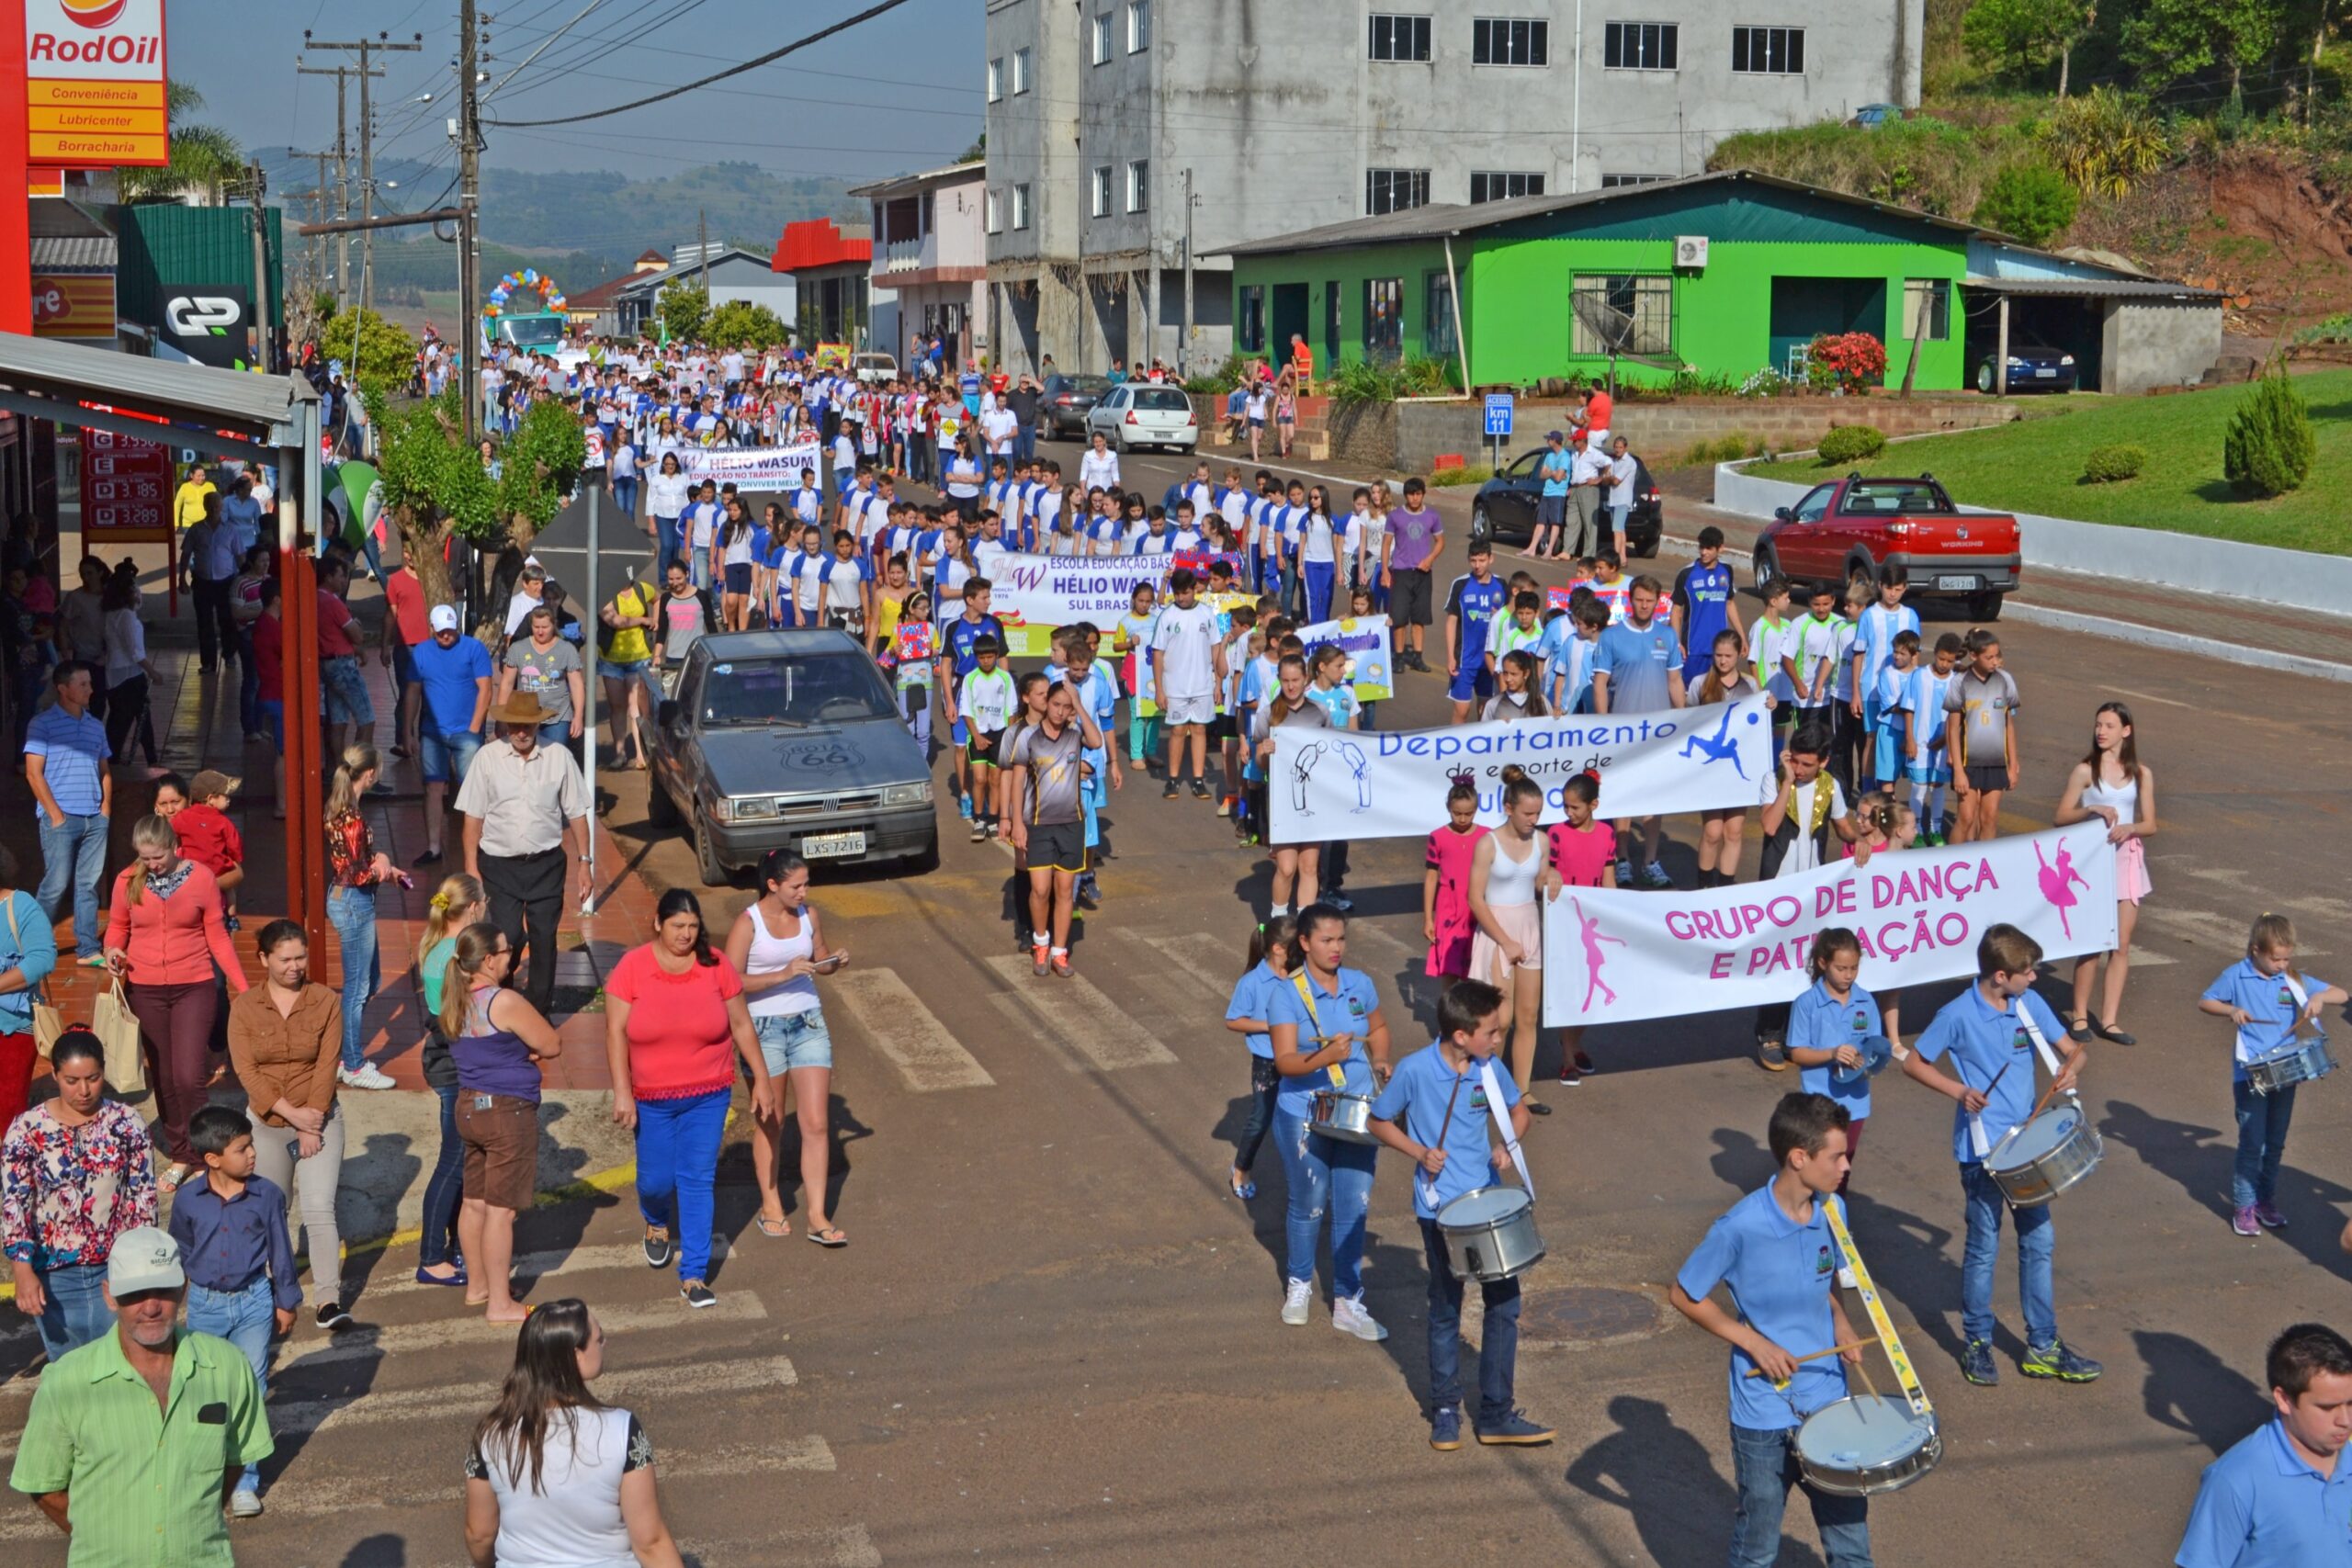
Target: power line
798 44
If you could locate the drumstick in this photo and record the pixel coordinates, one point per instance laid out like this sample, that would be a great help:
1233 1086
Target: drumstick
1447 1123
1815 1356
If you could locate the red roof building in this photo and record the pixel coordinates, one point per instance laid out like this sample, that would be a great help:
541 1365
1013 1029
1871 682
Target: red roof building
818 242
829 263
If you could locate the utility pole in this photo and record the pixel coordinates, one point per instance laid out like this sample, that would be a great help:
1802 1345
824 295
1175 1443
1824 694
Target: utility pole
341 155
367 72
702 249
1184 349
316 263
256 186
469 218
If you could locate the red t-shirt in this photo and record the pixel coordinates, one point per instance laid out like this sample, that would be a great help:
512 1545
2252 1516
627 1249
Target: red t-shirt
680 1042
209 838
405 598
336 625
1600 410
269 656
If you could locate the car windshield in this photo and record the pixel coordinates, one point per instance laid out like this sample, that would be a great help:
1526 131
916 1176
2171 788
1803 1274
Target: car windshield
821 688
1526 466
1094 384
1889 497
1165 398
536 331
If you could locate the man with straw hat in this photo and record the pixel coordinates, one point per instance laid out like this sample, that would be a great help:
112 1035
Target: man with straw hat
526 810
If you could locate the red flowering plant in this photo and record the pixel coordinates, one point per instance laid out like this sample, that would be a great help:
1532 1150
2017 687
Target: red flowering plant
1851 360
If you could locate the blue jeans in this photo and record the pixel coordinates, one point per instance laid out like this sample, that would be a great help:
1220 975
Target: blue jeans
78 849
1325 1174
75 1312
444 1187
677 1162
624 496
673 545
1764 1466
2036 1241
2262 1143
1497 1342
352 912
244 1319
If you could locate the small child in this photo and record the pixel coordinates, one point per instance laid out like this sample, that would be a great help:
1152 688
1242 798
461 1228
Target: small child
986 700
1359 607
1610 585
231 1232
1887 698
1927 763
1424 1116
1768 645
1980 711
1883 823
1574 639
1271 960
1518 696
1133 646
1584 852
1523 629
1809 656
2270 1004
1227 728
209 838
1828 1026
1447 924
914 647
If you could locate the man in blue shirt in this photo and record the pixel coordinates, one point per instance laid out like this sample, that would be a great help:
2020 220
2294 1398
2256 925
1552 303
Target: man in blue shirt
959 656
454 673
1776 1252
2282 1497
1434 1112
1638 669
1552 507
1706 606
1992 1032
65 764
1471 606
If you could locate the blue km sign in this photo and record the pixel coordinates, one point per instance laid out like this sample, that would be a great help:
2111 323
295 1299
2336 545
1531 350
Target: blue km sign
1499 406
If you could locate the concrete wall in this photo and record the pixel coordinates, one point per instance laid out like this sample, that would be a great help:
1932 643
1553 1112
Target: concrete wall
2159 343
1664 430
2260 573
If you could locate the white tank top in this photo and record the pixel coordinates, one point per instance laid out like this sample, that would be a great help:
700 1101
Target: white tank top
2124 798
770 954
1512 881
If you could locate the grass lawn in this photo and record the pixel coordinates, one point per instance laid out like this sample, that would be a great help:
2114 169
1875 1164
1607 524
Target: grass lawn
2036 465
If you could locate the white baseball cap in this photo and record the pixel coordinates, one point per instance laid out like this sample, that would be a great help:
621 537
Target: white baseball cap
444 617
143 1258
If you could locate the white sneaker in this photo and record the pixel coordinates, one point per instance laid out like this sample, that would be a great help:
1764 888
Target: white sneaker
1349 1317
369 1076
1294 1301
244 1505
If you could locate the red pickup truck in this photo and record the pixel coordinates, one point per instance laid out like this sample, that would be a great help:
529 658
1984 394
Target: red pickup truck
1851 527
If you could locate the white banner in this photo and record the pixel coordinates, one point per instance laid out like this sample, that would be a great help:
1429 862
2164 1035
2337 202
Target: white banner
1392 783
1058 591
1613 955
753 468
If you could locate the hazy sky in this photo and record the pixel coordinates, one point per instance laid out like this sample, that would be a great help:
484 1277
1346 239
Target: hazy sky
901 92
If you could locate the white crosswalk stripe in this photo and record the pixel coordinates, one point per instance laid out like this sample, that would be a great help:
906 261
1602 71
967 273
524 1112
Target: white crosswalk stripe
1097 1032
550 1265
923 1049
627 1386
1212 960
734 1307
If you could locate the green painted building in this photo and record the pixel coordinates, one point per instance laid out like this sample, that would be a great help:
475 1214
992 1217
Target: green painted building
1720 274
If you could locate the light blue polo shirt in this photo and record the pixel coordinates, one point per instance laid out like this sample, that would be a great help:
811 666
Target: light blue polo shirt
1818 1022
2267 1000
1346 1012
2259 1505
1253 997
73 750
1982 1040
1780 1274
1636 659
1416 1097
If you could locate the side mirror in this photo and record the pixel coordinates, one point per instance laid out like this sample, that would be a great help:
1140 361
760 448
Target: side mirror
1782 514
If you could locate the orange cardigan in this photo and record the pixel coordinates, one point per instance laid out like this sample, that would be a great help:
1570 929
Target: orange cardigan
173 941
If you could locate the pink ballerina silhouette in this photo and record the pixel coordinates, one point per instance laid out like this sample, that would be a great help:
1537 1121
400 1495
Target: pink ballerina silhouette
1589 931
2058 883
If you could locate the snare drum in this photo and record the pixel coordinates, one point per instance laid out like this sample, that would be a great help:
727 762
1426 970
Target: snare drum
1490 1234
2046 1156
1334 1113
2299 1063
1864 1445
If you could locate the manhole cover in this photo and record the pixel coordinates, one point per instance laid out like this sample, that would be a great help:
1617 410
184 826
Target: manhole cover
1586 1314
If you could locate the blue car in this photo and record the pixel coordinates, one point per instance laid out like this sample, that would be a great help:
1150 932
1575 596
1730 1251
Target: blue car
2033 368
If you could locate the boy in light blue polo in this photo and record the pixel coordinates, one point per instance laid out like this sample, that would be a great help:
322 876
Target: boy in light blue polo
1435 1112
1988 1031
2282 1498
1775 1251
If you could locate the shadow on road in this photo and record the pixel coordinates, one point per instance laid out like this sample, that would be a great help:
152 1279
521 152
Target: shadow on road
378 1551
2191 1390
1667 1480
2200 1160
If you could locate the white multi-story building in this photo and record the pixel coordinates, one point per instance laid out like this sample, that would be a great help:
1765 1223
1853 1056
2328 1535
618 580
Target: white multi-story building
1275 116
929 249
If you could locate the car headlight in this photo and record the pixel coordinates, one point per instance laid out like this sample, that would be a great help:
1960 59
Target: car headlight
745 807
906 794
2015 361
2065 359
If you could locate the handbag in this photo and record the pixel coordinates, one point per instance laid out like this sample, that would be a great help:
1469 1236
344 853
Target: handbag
116 1028
48 1023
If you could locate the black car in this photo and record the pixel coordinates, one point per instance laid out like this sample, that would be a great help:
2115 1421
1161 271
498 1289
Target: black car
1505 509
2033 368
1063 406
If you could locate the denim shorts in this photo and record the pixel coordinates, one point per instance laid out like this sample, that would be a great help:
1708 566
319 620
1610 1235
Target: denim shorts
795 1039
447 757
628 671
346 691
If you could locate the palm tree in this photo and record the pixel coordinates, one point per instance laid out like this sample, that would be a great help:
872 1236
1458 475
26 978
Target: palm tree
205 159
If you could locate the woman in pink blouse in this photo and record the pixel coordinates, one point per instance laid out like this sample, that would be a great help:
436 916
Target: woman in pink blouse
163 936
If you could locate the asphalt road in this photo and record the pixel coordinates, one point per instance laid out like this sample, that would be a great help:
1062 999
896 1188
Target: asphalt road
1054 1337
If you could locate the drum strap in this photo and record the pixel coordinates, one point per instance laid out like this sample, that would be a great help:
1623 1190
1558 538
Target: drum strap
1502 1123
1338 1071
2049 1059
2302 1002
1883 1324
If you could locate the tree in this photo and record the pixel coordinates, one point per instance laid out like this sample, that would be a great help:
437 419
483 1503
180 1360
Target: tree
684 307
2269 447
2031 199
386 354
978 152
2023 35
2105 142
2170 40
204 158
739 323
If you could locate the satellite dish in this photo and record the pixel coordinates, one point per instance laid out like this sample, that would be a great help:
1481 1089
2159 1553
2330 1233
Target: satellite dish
1615 328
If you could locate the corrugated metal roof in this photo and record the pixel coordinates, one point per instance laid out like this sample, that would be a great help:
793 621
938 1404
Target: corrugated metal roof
1447 219
198 394
2094 287
907 185
73 253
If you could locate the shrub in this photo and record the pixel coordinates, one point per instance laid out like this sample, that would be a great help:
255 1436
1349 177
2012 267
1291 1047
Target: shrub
1385 381
2105 465
2105 142
2031 199
1467 474
1851 444
1852 360
2269 447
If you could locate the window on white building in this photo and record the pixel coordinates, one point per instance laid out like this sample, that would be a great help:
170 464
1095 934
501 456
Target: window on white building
1139 185
1495 185
1927 304
1138 26
1610 182
1020 207
1020 71
993 219
1641 46
1101 49
1395 190
996 81
1098 195
1510 40
1400 37
1768 51
1384 317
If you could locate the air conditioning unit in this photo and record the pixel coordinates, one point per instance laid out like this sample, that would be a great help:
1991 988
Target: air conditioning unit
1690 250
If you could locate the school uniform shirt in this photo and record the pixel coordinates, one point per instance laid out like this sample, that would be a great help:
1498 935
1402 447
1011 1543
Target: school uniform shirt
1704 594
1338 703
985 699
1474 605
1769 642
1184 643
1780 1273
1841 679
1875 633
1419 1097
2262 1505
1149 542
1315 540
1346 1011
1819 1021
1253 997
2268 1001
1986 704
1810 645
1925 701
1637 661
962 635
1981 1040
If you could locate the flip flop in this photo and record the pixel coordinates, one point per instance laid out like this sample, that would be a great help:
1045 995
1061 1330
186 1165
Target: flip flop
1243 1188
829 1237
779 1229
